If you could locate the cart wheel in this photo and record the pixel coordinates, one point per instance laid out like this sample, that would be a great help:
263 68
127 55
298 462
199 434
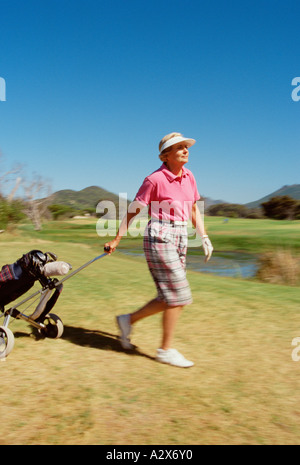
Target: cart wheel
54 326
7 341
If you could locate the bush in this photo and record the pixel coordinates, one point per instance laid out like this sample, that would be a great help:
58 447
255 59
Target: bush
297 212
61 211
233 210
279 267
281 208
10 212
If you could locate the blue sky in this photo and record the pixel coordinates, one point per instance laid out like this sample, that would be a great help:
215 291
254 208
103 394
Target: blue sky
92 86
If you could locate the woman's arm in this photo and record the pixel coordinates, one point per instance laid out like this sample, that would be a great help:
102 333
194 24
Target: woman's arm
133 210
197 221
199 226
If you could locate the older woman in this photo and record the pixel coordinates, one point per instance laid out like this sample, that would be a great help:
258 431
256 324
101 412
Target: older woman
171 195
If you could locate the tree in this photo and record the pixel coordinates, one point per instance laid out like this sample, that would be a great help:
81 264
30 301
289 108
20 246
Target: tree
8 179
36 199
10 212
58 210
297 211
280 208
232 210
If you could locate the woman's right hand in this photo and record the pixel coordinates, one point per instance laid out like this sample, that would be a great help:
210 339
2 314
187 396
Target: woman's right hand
111 246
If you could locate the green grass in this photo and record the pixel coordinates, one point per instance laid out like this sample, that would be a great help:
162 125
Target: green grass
244 235
254 236
83 389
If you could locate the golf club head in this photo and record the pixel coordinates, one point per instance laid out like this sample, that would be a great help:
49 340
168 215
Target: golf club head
52 255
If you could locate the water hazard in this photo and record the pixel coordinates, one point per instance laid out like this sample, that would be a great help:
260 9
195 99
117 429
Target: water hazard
230 264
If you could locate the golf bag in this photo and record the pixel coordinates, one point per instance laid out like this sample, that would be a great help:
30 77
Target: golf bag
16 279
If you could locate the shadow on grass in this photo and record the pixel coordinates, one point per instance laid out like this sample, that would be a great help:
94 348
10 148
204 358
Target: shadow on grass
84 337
98 340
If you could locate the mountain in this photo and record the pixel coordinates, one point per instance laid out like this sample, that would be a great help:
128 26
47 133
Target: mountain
208 202
292 191
87 198
90 196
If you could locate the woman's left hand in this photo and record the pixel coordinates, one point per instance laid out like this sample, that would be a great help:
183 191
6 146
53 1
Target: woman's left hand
207 247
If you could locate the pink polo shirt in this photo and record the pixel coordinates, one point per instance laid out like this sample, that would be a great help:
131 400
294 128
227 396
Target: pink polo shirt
169 197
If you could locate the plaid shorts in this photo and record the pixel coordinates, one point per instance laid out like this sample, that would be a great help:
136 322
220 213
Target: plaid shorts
165 248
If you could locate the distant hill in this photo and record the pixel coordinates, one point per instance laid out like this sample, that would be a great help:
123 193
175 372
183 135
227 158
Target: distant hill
208 202
292 191
87 198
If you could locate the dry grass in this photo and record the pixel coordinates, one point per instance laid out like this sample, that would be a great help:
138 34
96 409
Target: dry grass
83 389
279 267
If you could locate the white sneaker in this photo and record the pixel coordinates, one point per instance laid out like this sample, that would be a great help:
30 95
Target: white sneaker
173 357
123 322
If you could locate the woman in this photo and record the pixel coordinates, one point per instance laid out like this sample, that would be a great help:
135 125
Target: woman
171 195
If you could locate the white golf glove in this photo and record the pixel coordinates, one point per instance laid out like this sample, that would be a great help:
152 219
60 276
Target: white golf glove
207 247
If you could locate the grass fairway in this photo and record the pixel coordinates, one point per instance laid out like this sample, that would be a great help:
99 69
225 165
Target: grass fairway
83 389
234 234
254 236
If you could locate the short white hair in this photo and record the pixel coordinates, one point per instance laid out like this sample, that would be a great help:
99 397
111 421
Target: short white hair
163 155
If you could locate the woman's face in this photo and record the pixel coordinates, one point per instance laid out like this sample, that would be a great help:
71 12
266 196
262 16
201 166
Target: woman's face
179 154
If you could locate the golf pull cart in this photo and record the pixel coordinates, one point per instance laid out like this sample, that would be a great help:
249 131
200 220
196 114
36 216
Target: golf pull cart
18 278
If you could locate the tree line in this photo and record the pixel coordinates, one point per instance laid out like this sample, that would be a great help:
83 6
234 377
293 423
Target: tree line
36 203
33 201
278 208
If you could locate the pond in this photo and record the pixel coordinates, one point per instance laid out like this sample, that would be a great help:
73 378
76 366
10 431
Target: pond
230 264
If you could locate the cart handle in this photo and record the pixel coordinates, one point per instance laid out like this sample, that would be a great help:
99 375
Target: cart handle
107 249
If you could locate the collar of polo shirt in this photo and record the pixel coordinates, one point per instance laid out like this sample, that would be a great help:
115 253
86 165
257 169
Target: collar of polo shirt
171 176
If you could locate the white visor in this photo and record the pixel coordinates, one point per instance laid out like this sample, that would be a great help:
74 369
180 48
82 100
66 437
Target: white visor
177 140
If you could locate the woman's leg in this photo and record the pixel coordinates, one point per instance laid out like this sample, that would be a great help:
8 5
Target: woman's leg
152 307
125 322
169 320
170 316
